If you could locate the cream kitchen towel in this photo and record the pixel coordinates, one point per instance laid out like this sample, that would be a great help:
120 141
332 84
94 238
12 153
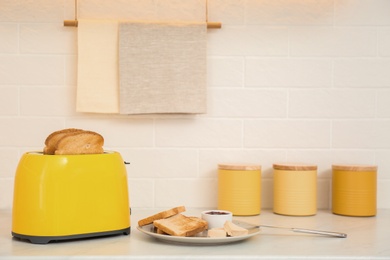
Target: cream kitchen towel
162 67
97 70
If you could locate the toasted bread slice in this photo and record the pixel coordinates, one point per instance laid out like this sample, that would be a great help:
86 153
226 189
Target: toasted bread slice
158 231
84 142
233 230
180 225
216 232
161 215
53 138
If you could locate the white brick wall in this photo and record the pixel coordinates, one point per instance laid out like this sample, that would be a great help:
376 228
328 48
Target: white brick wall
297 81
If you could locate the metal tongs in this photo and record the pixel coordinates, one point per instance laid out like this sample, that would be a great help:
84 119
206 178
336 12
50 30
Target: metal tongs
298 230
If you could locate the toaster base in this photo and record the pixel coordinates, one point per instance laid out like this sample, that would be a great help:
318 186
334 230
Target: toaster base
47 239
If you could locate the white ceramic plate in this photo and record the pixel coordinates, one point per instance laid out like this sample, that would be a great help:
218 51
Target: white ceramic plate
199 239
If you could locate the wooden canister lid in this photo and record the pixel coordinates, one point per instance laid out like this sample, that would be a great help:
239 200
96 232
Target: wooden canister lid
354 168
239 167
294 167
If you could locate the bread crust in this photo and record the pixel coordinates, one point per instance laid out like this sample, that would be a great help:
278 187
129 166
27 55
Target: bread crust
161 215
53 138
80 142
73 141
180 225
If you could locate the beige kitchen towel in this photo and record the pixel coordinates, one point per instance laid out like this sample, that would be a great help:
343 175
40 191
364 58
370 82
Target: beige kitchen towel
97 67
162 67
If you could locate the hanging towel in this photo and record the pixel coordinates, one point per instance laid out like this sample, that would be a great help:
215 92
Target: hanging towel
162 67
97 70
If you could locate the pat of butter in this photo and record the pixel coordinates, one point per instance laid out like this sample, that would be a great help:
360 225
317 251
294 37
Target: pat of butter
216 232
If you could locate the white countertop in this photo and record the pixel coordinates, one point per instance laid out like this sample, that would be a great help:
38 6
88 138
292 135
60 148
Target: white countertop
368 238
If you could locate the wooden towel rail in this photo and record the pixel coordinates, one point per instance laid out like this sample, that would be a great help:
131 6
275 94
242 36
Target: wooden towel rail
210 25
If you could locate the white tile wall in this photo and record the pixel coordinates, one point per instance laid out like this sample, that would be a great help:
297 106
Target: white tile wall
288 72
47 38
332 103
384 41
333 41
287 133
9 101
362 13
288 80
9 38
362 72
286 12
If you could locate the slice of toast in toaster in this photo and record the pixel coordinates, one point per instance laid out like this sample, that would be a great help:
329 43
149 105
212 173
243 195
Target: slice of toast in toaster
180 225
84 142
161 215
53 138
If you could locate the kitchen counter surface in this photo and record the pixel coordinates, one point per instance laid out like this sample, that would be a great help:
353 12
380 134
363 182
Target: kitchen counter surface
368 238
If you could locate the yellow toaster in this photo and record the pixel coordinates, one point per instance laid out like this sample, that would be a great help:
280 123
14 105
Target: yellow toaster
61 197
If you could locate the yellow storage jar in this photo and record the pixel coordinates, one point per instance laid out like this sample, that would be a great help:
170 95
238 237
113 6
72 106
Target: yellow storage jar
239 189
354 190
295 189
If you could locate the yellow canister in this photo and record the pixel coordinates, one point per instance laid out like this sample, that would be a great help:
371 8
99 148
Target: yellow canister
354 190
239 189
295 189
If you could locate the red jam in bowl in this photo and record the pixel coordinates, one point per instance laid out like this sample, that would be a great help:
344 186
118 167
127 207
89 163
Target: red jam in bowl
217 213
